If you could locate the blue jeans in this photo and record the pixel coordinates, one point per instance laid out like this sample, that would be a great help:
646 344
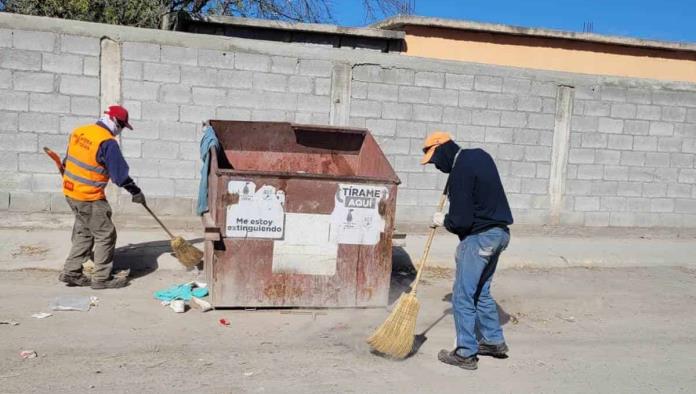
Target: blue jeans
475 311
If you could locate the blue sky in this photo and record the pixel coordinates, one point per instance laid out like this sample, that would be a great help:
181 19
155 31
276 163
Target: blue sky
670 20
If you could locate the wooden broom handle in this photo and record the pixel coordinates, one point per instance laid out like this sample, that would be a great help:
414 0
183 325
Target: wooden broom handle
159 221
428 243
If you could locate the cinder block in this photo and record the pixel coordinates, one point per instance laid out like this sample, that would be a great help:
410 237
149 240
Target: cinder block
543 170
649 112
498 135
522 169
584 123
161 72
645 143
459 81
590 171
488 84
597 219
395 146
204 76
544 89
233 79
594 140
69 123
141 51
36 163
430 79
80 45
654 159
180 94
586 203
317 68
630 189
33 40
691 115
177 131
84 106
597 108
160 149
502 101
9 161
177 169
291 102
322 86
612 126
53 103
427 113
160 111
632 158
581 156
612 93
391 111
519 201
688 146
62 63
679 190
537 153
667 175
685 130
39 123
669 144
196 113
179 55
411 94
270 82
641 174
29 202
284 65
57 142
317 118
367 108
209 96
616 173
471 133
367 73
513 119
358 90
661 128
312 103
81 86
652 190
671 98
525 137
9 121
381 127
5 79
46 183
687 176
636 127
131 147
134 109
157 186
517 86
510 152
446 97
486 118
613 204
535 186
382 92
512 185
301 84
189 150
539 121
456 115
91 66
132 70
398 76
411 129
624 111
20 60
4 199
33 82
422 181
472 99
5 38
607 156
186 188
638 96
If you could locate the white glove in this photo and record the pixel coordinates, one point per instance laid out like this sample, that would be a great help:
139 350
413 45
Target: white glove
438 219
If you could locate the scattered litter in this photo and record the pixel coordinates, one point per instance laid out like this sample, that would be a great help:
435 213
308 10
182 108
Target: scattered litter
181 292
178 306
224 322
28 354
30 250
165 303
248 373
198 303
10 322
72 303
94 300
570 319
41 315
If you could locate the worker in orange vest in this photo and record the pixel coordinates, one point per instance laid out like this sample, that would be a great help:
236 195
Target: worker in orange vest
93 156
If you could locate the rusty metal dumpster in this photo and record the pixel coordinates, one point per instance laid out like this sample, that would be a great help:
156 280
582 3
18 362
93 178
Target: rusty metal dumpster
299 216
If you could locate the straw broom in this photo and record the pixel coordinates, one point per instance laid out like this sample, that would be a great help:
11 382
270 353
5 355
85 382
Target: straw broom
187 254
396 335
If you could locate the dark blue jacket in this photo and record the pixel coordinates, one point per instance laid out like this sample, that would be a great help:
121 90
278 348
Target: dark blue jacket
476 194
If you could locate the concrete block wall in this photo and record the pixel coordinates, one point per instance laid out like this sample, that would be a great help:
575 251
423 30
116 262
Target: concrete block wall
626 157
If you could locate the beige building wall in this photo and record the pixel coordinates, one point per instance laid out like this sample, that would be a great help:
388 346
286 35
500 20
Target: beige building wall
555 54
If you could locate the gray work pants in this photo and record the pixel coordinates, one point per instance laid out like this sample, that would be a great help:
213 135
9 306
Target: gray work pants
93 228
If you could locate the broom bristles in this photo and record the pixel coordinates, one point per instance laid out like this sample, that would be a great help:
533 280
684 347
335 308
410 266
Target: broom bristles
395 336
187 254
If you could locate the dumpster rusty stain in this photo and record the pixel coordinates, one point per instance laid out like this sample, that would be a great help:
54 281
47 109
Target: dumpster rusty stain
230 198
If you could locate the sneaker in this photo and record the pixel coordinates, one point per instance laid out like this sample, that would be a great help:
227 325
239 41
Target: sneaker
74 280
452 358
498 351
113 283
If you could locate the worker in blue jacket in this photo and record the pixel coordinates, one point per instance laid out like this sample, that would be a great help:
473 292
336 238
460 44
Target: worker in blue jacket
479 215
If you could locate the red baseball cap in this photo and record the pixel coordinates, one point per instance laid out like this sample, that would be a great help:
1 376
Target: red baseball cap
120 114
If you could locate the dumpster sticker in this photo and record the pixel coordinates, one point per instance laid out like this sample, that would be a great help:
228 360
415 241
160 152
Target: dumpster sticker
258 214
307 248
356 219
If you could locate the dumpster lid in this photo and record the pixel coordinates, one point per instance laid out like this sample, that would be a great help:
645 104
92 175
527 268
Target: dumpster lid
298 150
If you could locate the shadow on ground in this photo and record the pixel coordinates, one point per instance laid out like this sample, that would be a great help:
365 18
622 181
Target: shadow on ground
141 258
403 273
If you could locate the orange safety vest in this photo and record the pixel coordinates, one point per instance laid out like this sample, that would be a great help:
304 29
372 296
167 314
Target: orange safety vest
84 178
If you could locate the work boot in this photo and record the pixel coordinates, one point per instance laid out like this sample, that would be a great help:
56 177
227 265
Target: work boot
74 279
113 283
452 358
498 351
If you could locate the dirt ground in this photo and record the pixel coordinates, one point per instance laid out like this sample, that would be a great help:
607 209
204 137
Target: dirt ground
570 330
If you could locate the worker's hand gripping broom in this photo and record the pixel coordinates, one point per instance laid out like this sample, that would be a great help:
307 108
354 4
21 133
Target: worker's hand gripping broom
395 336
